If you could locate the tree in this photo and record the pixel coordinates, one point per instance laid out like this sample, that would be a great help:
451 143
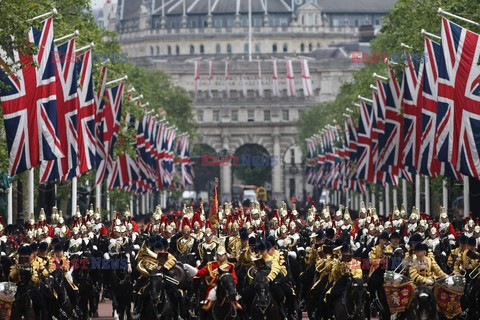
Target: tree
247 170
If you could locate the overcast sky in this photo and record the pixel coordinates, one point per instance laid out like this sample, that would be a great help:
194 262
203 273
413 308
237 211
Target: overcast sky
97 3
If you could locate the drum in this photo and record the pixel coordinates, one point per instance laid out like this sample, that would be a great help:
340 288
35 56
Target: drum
448 292
7 297
399 291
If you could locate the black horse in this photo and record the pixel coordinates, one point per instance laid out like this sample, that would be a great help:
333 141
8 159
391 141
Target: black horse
88 301
423 305
351 302
157 302
226 293
22 307
442 252
264 305
120 285
57 299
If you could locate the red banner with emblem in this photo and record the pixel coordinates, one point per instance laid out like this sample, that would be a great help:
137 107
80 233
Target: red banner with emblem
448 301
399 296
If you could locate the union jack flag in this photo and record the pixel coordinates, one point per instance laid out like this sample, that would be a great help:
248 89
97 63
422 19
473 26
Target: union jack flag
86 114
67 108
111 112
29 103
364 144
412 113
124 174
167 163
427 163
183 152
458 116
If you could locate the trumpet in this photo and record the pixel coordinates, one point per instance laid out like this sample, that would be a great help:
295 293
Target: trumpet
475 272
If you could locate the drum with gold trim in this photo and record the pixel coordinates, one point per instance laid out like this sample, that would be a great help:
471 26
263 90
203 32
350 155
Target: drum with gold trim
7 297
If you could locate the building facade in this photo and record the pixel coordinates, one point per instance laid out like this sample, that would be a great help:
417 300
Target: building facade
233 97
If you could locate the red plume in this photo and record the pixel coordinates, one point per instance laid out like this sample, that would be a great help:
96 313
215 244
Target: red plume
185 223
208 224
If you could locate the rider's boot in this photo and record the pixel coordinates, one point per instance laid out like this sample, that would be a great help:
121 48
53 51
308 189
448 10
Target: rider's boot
208 306
282 311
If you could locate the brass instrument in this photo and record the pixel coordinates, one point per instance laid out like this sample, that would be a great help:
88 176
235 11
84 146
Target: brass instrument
146 261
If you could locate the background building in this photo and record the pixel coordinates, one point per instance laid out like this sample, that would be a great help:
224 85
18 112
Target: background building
230 107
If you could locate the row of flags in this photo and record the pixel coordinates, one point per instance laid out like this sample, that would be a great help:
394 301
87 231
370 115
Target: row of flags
54 119
289 77
427 124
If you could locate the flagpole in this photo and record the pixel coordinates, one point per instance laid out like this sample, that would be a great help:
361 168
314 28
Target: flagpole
445 193
466 196
404 193
387 200
10 205
250 30
417 191
98 197
131 204
427 195
143 204
30 191
395 196
445 13
74 193
108 206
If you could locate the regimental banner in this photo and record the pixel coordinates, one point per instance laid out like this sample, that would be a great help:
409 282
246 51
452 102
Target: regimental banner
448 301
400 296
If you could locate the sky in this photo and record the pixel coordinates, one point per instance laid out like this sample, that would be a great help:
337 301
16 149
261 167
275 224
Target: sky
97 3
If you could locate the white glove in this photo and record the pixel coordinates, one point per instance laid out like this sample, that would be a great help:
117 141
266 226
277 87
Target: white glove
94 247
451 237
430 282
3 254
129 269
68 276
106 256
197 263
136 247
444 254
190 270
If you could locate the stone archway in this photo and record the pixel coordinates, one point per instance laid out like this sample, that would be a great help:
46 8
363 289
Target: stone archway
204 174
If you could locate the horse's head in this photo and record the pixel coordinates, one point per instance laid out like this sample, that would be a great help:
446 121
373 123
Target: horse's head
424 303
157 286
358 296
226 287
262 289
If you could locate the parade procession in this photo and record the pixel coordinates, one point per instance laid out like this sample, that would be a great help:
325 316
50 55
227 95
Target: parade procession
239 159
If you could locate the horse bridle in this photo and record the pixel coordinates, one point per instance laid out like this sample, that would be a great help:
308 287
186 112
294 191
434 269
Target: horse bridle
344 302
232 311
161 299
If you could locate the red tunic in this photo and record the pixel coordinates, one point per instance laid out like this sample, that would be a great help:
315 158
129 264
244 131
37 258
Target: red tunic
210 272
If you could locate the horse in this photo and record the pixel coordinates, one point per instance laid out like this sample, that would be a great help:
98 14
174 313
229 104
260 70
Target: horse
264 305
22 307
226 293
57 299
442 252
158 305
423 305
120 285
81 276
351 303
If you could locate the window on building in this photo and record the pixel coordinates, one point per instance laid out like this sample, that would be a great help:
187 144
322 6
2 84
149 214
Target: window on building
377 22
303 19
169 49
158 50
245 48
285 47
216 116
292 156
200 115
202 49
234 115
285 115
318 45
302 48
229 48
192 49
356 22
151 51
251 115
317 19
274 48
310 47
177 50
257 48
218 48
218 23
266 115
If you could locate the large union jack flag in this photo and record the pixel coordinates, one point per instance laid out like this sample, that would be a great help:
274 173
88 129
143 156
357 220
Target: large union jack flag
458 116
364 143
29 103
67 108
86 114
183 152
107 131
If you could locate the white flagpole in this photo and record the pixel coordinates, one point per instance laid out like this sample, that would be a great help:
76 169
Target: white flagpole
466 196
98 197
74 193
244 85
445 193
404 193
108 205
275 79
395 196
30 192
10 205
227 78
131 204
427 195
250 30
417 191
143 204
387 200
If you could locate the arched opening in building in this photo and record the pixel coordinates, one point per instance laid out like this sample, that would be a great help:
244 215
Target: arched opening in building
229 48
205 172
202 49
177 50
218 48
253 168
274 48
192 49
